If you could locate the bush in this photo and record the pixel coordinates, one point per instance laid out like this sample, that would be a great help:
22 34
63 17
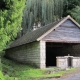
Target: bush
2 77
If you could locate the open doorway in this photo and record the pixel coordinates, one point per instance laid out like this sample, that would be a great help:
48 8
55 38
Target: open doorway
52 51
69 62
60 49
50 57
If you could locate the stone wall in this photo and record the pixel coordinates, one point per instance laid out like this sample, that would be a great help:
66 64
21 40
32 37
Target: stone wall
28 53
42 54
62 62
76 62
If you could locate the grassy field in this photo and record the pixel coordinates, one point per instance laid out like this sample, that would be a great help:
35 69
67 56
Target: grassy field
13 69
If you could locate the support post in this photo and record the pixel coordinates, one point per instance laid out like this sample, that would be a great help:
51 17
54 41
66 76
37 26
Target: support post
42 54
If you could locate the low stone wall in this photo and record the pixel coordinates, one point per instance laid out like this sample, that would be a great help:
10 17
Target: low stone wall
28 53
62 62
76 62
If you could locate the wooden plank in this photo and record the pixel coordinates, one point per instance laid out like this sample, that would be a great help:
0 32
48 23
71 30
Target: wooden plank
69 34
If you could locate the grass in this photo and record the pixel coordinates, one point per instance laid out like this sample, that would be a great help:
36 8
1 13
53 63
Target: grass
14 69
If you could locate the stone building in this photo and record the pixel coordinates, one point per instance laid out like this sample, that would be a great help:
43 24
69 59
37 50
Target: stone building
41 47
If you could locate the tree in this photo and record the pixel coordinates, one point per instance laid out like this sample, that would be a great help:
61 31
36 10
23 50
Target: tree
44 11
10 20
75 12
69 5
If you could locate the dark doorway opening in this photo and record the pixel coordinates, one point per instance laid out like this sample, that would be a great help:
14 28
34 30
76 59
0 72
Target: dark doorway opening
50 58
52 51
69 62
60 49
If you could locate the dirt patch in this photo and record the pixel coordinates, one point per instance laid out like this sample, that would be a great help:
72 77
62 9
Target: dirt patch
71 74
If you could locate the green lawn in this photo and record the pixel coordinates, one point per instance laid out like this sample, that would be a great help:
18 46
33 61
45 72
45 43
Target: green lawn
14 69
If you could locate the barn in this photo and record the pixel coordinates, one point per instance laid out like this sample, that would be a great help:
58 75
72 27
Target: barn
41 47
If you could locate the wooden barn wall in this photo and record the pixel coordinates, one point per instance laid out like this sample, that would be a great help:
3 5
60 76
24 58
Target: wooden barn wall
29 54
66 32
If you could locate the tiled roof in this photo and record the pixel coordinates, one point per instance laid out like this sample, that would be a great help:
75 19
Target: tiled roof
33 35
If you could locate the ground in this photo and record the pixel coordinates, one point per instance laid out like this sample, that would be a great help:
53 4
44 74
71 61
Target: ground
75 75
24 72
72 76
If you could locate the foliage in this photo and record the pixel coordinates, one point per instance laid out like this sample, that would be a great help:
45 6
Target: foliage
25 72
73 3
69 5
75 12
10 20
44 11
1 76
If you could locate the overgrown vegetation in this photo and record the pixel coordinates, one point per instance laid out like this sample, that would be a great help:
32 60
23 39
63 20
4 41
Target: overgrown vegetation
69 5
11 12
22 71
75 12
10 20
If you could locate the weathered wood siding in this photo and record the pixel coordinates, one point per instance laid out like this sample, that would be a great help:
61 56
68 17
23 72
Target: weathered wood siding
67 32
28 53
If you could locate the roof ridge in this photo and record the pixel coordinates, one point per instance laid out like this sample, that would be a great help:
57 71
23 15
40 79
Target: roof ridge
45 25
